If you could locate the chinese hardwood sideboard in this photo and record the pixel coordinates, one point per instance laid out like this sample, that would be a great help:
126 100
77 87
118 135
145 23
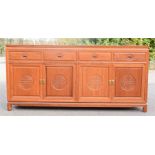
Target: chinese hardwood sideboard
77 76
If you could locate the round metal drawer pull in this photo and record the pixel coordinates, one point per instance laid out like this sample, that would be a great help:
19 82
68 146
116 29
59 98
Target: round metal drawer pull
94 55
60 55
130 56
24 56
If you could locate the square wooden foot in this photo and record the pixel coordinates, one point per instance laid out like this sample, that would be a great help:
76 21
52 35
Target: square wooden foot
9 107
145 108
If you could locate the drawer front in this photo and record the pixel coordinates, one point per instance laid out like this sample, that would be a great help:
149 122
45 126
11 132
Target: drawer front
60 54
25 55
130 57
94 56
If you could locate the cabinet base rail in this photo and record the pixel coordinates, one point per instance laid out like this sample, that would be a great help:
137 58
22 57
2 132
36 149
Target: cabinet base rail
81 104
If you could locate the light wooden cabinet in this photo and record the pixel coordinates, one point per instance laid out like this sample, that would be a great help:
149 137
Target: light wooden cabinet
77 76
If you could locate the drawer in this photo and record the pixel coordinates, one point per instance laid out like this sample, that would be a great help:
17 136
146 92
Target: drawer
25 55
92 55
130 57
60 54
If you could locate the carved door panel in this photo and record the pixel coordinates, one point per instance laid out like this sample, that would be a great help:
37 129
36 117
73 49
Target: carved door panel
129 82
60 82
24 82
93 83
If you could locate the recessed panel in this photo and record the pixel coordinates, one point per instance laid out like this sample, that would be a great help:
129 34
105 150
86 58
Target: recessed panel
128 82
25 81
94 81
59 81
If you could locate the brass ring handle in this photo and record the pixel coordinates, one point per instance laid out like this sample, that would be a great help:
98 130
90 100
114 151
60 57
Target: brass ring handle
42 81
111 82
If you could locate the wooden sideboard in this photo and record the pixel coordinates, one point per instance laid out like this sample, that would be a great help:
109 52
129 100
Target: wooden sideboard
77 76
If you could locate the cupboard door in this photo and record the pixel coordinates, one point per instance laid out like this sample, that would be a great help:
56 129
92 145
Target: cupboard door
24 82
60 82
129 82
93 83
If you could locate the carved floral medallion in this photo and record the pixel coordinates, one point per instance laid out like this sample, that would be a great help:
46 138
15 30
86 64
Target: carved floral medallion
128 82
59 82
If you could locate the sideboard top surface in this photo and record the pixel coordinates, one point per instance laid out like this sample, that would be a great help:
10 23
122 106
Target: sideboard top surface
72 46
36 48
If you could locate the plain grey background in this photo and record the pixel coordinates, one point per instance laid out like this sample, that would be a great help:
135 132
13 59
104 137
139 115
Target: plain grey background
27 111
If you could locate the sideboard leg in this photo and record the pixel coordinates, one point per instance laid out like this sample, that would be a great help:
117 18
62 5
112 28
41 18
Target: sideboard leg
145 108
9 107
